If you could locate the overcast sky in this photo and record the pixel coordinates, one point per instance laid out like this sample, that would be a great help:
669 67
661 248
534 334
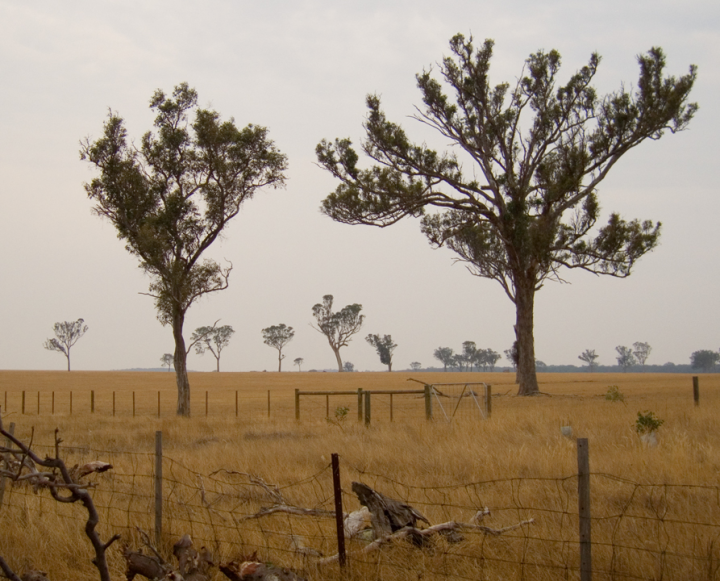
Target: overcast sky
303 69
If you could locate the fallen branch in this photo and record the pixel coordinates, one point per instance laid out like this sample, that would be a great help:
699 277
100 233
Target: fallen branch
416 533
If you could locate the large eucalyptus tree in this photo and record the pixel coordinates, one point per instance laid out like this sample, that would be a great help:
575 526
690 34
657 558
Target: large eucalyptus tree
172 197
537 151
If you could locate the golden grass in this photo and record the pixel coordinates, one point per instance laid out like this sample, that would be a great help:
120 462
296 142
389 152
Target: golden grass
408 458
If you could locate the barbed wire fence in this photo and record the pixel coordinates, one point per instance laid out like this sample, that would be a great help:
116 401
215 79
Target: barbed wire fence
534 526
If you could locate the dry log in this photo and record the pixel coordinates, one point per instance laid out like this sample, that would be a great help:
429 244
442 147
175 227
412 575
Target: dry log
148 566
388 515
256 571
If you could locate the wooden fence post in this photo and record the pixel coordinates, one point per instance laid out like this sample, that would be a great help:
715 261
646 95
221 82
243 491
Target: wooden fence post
92 401
339 516
297 404
584 509
158 488
23 402
367 409
696 390
360 405
2 480
428 402
327 407
488 401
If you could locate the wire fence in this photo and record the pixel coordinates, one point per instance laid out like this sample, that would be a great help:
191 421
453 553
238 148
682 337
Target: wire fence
639 530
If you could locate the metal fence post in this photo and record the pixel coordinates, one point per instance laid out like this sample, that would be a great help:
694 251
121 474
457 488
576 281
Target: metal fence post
2 479
158 487
696 390
584 509
339 516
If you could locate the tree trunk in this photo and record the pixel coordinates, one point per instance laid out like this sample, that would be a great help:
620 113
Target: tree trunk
336 350
68 358
524 308
218 364
390 366
180 359
279 360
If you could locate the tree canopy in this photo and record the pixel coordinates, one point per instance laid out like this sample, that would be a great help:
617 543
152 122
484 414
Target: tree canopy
337 327
445 355
67 334
172 197
589 356
384 346
537 150
704 359
213 339
278 336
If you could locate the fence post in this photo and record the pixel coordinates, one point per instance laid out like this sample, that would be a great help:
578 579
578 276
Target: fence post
584 509
360 405
23 403
92 401
367 409
339 516
428 402
488 401
297 404
696 390
2 479
158 487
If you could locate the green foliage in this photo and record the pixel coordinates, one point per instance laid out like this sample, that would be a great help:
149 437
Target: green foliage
542 149
647 423
339 326
384 346
341 414
614 394
278 336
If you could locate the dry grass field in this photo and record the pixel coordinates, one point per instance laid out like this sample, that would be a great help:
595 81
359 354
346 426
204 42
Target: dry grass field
645 524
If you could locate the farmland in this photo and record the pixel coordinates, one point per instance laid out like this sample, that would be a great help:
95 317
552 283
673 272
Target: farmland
409 458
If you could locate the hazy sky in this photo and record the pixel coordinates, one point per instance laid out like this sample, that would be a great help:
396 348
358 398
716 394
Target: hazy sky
302 69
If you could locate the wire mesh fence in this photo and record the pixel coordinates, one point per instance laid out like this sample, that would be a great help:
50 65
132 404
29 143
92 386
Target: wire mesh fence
639 530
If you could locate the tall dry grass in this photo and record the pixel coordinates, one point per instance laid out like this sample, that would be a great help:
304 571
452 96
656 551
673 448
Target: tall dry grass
525 467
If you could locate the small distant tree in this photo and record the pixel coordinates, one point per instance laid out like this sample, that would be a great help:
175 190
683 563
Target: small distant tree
278 336
349 367
625 357
384 346
704 359
337 327
213 339
641 351
540 365
167 360
416 366
445 355
589 356
299 361
67 334
489 359
469 354
512 355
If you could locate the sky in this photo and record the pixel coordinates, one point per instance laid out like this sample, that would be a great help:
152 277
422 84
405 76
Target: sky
302 69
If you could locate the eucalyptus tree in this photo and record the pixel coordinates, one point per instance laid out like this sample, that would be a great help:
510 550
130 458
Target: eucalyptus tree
167 360
625 357
339 326
641 351
589 356
384 346
213 339
704 359
67 333
299 361
445 355
172 196
528 204
278 336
